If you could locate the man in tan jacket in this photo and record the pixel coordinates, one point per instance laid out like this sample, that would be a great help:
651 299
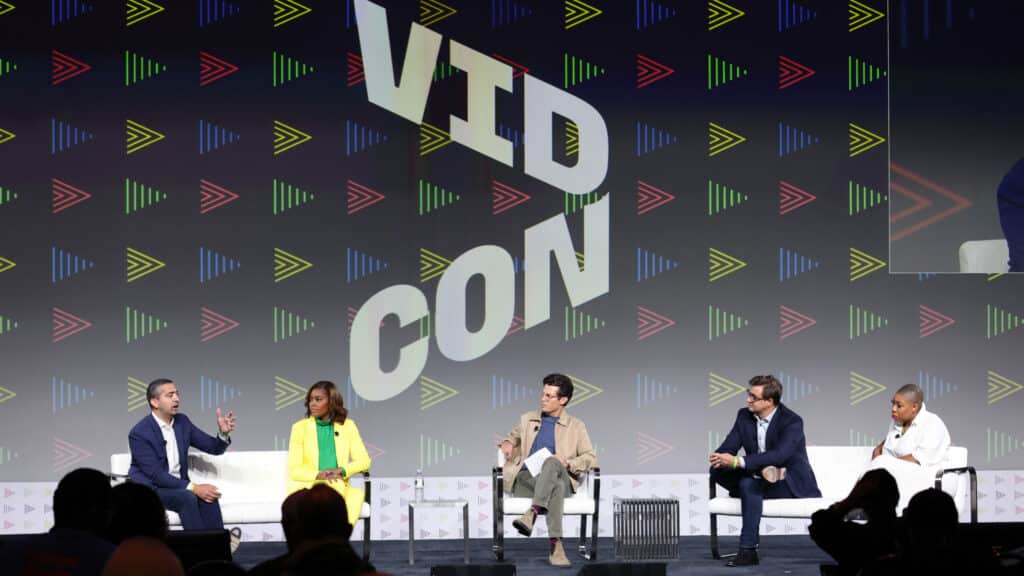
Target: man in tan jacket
572 454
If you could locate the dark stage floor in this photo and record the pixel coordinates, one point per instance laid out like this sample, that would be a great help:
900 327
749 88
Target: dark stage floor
795 555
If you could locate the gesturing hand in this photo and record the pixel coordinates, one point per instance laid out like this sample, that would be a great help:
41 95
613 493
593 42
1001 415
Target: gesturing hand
226 424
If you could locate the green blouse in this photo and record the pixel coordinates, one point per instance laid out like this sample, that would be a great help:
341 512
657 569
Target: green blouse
325 443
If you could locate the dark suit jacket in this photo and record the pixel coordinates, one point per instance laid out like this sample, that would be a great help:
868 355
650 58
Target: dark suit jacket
1010 199
785 446
149 455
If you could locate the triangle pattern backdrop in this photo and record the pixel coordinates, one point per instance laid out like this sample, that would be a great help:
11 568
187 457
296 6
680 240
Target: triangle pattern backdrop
223 218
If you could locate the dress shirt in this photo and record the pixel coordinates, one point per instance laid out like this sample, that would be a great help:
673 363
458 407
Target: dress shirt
926 439
171 445
762 432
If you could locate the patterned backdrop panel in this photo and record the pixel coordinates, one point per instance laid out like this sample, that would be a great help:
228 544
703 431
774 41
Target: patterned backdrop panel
203 190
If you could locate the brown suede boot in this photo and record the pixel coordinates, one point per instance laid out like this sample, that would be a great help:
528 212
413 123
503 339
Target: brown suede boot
524 524
558 557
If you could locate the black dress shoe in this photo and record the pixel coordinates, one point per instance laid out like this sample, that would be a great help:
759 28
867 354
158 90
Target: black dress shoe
744 557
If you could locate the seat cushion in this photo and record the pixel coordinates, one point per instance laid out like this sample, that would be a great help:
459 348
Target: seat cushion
252 513
777 508
253 483
837 469
575 505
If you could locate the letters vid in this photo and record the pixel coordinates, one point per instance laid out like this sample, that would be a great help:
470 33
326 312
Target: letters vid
540 101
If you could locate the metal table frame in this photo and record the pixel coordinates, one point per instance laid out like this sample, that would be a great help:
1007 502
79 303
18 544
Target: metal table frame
413 505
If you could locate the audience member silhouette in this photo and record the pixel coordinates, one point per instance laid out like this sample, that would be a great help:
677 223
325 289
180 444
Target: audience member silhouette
930 546
333 556
75 545
309 516
861 548
142 556
217 568
136 511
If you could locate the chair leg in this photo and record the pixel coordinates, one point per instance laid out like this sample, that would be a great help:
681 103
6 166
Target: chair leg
582 543
366 539
714 537
497 514
498 545
593 536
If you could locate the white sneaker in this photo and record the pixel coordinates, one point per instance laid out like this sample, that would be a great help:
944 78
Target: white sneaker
236 539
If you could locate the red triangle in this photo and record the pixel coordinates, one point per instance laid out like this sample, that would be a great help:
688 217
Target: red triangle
356 74
65 195
361 197
212 68
517 69
65 67
505 197
649 71
791 72
212 196
650 197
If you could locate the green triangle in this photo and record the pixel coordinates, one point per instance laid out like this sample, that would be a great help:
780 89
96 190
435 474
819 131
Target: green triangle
287 324
7 324
721 72
861 198
138 196
722 197
284 69
138 324
721 322
138 68
860 73
577 70
431 197
7 67
578 324
286 197
444 71
864 322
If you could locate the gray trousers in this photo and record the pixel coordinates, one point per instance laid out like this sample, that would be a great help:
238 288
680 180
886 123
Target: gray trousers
548 489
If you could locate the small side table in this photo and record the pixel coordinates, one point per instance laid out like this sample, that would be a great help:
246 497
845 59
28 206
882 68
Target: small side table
413 505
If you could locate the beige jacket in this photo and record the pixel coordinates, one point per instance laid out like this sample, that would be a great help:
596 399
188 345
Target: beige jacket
571 442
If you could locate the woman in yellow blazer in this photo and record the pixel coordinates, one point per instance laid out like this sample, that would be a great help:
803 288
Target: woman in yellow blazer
325 447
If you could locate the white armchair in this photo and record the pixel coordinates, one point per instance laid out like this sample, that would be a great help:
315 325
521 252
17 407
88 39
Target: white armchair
984 256
583 503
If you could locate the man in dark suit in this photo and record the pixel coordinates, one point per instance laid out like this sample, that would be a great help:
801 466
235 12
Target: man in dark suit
159 446
774 464
1010 199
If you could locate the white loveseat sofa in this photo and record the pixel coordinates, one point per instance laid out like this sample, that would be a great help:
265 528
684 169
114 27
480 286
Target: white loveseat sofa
252 484
837 469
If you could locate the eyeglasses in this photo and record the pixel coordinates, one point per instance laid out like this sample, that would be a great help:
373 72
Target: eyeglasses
752 398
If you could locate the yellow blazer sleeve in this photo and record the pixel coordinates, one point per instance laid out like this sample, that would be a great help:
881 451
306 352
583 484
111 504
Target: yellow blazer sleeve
359 458
300 468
